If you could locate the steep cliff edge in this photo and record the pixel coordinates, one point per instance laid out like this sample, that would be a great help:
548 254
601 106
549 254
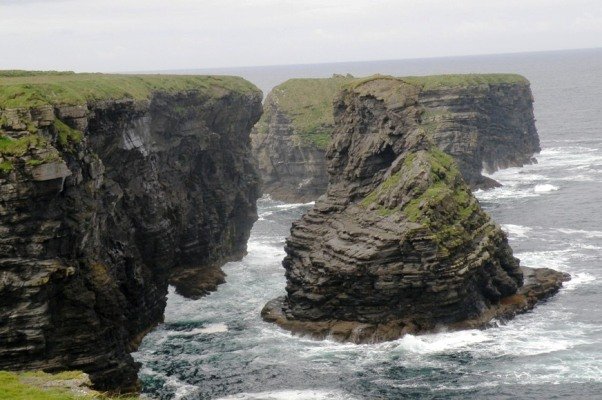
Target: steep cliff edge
483 121
111 186
399 244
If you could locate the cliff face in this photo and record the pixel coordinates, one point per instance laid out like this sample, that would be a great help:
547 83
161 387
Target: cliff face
103 203
483 121
398 244
292 136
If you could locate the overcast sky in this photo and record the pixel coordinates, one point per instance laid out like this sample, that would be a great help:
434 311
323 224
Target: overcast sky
130 35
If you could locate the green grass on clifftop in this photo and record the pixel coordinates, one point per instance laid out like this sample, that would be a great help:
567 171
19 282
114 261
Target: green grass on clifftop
31 88
463 80
308 102
43 386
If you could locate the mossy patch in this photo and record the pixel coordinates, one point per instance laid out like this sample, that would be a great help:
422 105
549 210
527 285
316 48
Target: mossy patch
463 80
308 104
18 147
6 166
44 386
31 89
66 136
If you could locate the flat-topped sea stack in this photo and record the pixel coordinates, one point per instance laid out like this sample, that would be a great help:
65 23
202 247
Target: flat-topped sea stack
485 121
398 244
111 186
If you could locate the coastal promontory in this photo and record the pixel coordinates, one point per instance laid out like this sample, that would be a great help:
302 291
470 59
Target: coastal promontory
111 186
484 121
398 244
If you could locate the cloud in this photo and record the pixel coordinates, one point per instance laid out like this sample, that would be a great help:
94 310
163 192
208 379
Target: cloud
115 35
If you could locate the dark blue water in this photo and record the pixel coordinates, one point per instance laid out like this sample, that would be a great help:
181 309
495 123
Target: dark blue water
218 347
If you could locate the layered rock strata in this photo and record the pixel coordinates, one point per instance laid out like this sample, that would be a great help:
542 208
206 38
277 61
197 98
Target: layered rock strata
484 121
399 244
103 202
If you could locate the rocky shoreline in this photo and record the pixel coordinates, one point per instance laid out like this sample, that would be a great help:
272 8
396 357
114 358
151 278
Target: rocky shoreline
539 285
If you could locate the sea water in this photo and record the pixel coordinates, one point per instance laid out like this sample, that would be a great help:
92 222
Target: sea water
219 348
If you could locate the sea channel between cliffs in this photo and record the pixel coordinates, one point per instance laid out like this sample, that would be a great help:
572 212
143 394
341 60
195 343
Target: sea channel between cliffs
136 184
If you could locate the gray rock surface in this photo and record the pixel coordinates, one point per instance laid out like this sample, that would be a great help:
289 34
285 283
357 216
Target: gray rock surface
485 123
398 244
93 227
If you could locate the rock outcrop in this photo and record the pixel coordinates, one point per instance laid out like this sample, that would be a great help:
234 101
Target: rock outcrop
399 244
105 200
485 122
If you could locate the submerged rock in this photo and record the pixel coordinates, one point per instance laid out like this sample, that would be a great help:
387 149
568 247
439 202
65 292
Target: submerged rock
485 122
398 244
105 201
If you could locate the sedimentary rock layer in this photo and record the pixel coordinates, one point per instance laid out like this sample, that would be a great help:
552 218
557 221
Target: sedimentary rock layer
104 201
483 121
399 244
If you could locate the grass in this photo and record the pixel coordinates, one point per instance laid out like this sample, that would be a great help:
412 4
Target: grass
66 135
6 166
18 147
463 80
36 88
32 386
308 102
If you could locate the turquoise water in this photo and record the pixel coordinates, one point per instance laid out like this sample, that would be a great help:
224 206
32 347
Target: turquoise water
219 348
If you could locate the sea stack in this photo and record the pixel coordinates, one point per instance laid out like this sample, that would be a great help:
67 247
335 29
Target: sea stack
111 186
398 244
484 121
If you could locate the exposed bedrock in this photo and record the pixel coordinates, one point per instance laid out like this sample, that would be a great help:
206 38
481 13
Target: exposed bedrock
399 244
101 204
485 122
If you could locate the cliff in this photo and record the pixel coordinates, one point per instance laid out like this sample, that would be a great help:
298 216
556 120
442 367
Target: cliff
399 244
483 121
111 186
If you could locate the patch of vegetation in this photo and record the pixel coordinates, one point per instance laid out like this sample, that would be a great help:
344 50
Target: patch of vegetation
308 103
33 386
66 135
31 89
18 147
446 207
6 166
463 80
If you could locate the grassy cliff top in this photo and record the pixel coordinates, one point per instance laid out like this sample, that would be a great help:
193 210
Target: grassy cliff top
36 88
70 385
463 80
308 102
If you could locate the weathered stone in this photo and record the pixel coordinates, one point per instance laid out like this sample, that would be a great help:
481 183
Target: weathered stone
91 231
483 126
51 170
398 244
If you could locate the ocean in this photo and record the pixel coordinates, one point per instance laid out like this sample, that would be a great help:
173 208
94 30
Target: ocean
219 348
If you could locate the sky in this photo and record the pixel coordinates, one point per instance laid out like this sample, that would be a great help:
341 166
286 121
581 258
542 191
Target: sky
138 35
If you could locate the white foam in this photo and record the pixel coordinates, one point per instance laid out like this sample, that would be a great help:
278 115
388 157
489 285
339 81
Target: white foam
292 395
440 342
586 233
517 230
544 188
578 279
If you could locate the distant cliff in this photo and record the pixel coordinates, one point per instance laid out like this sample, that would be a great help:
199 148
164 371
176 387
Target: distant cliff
111 186
399 244
483 121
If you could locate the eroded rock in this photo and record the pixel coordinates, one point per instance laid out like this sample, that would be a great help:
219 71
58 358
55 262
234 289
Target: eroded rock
399 244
